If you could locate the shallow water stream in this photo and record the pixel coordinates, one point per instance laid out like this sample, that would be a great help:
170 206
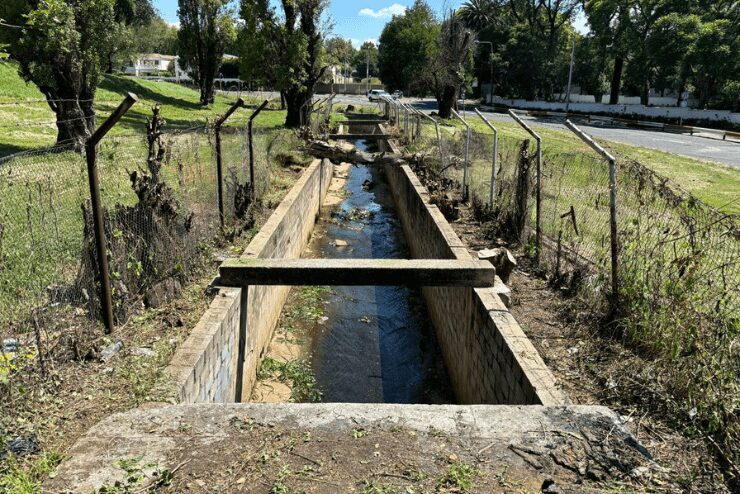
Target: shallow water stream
377 344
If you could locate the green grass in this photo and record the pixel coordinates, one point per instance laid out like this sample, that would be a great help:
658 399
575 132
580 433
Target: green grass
27 122
715 184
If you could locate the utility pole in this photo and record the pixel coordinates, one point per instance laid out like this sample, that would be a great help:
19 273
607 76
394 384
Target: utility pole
570 74
490 44
367 69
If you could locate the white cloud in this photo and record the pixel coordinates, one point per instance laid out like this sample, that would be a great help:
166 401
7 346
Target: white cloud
174 24
357 43
395 9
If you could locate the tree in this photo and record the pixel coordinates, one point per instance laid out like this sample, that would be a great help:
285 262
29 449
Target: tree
129 14
366 57
450 63
477 14
407 45
591 67
157 36
284 50
713 61
62 48
340 50
205 29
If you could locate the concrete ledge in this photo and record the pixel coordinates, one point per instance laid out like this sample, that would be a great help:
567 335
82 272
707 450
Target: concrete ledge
357 272
166 437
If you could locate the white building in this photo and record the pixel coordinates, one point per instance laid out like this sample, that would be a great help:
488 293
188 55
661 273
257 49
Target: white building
153 64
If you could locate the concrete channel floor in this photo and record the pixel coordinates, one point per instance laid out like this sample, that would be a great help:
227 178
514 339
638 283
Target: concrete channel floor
339 447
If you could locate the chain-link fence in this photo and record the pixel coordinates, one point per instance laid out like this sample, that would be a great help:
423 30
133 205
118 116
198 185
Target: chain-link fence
678 259
159 196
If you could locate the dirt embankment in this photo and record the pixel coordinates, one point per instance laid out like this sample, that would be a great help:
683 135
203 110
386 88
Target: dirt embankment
595 369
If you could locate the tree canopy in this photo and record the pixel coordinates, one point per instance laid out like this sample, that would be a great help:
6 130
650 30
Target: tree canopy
407 46
284 49
206 27
63 47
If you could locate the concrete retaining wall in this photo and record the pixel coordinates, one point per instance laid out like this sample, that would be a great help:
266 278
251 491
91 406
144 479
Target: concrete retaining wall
206 366
489 358
627 109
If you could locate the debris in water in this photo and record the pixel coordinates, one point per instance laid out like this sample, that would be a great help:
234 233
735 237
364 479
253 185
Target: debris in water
368 185
340 243
365 319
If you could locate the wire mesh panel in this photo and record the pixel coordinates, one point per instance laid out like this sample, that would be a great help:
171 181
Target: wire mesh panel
40 232
160 214
575 210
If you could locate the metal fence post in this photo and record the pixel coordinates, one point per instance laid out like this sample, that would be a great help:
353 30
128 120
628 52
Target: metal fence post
492 194
106 297
538 192
614 233
252 190
467 155
219 161
439 137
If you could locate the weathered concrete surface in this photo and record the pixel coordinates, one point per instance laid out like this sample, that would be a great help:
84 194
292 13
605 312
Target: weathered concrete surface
532 443
357 272
488 356
206 366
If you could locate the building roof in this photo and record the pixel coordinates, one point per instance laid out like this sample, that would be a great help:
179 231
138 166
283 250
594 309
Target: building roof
157 56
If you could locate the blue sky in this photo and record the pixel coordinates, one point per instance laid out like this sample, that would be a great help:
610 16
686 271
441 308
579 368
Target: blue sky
357 20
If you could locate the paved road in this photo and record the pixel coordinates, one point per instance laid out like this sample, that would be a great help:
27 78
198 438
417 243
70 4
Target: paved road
702 148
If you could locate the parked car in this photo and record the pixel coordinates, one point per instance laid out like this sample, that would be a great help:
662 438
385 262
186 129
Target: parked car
376 95
397 94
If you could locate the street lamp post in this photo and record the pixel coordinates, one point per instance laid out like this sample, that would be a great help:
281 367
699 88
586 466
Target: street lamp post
570 75
491 64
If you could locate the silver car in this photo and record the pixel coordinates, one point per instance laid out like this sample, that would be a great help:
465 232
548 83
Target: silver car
376 95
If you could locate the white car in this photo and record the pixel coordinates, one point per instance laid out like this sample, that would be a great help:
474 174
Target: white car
376 95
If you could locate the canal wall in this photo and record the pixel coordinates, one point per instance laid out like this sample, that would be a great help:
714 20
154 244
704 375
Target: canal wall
489 358
218 362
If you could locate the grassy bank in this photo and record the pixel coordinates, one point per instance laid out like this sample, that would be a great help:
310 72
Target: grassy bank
713 183
27 122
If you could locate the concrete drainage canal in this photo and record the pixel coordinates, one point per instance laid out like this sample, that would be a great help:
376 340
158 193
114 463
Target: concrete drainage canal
394 311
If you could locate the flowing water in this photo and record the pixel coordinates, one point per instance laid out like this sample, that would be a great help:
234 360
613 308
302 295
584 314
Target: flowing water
377 344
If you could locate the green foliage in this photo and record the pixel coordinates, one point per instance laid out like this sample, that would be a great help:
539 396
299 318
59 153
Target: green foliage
669 44
368 52
340 50
407 47
157 36
458 477
24 476
286 50
296 372
206 27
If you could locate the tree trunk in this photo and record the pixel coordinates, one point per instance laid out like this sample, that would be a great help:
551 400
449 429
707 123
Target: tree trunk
645 93
75 116
599 97
206 90
282 100
295 98
616 80
448 101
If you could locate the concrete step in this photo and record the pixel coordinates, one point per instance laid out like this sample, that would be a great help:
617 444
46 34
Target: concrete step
203 444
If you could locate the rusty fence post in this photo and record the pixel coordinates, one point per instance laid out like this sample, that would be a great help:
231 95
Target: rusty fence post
250 132
467 156
219 160
538 192
492 193
614 233
106 297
